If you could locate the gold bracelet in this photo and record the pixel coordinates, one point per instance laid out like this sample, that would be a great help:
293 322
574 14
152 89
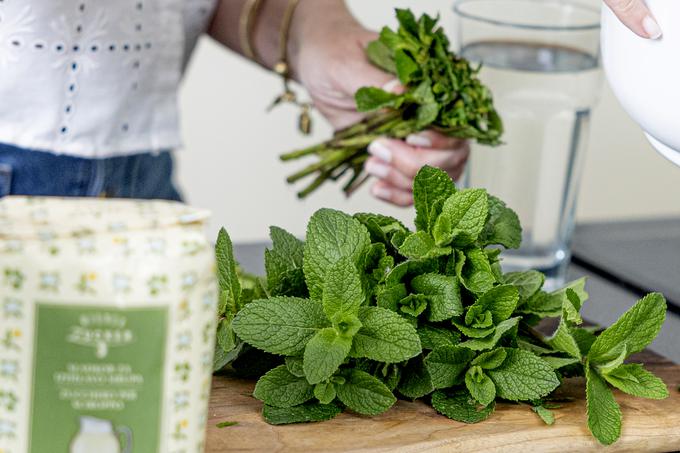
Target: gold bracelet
283 69
246 22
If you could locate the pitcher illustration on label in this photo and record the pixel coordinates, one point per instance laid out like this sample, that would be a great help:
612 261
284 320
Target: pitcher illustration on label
99 435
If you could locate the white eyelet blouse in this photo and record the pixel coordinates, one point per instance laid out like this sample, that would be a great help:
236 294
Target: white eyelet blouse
95 78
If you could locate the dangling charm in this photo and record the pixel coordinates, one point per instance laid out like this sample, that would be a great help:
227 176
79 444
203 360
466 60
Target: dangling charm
290 97
305 121
287 96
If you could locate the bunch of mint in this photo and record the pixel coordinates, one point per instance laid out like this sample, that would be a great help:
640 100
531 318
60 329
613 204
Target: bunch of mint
441 92
365 311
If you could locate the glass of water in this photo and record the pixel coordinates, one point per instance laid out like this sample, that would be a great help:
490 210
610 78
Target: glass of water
541 60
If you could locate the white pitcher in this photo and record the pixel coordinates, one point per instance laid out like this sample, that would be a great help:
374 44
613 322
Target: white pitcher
98 435
645 74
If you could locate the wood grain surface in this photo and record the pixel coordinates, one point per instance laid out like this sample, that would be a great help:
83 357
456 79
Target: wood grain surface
414 427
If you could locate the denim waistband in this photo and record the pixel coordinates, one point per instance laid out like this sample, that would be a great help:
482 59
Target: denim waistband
143 175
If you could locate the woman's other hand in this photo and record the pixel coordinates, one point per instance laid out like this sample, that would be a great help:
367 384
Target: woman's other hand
395 163
636 16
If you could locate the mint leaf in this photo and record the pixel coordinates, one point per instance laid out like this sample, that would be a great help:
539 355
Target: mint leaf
552 304
584 339
523 376
280 388
500 301
408 269
342 291
423 95
390 374
432 337
388 297
490 360
636 328
324 354
446 364
421 245
613 359
474 332
371 98
283 264
365 394
376 265
502 226
222 358
571 308
559 362
225 335
426 114
381 227
442 293
604 414
635 380
431 188
528 282
346 325
407 22
463 217
230 287
481 344
287 250
381 56
460 406
563 340
558 298
331 235
385 336
225 424
480 386
280 325
415 379
406 67
309 412
414 304
546 414
532 347
294 366
474 271
325 392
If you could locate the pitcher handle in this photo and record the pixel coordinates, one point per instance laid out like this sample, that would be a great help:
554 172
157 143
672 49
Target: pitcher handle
126 434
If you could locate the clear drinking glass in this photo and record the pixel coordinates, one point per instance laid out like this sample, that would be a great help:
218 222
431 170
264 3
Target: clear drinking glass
541 60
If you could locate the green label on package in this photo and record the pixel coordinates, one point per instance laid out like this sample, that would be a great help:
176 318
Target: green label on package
98 378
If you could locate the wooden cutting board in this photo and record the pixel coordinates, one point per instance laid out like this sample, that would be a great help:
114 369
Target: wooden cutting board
415 427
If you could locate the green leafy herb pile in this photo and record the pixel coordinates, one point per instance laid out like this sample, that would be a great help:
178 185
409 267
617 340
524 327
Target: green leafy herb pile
441 92
365 311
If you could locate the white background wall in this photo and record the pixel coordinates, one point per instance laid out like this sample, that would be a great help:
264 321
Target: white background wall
230 163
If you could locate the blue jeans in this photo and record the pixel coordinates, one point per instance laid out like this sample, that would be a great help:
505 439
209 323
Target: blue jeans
28 172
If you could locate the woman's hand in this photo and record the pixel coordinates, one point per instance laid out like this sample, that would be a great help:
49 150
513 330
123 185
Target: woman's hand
636 16
395 163
330 61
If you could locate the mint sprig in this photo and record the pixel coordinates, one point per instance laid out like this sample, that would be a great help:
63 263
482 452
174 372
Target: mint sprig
442 91
365 311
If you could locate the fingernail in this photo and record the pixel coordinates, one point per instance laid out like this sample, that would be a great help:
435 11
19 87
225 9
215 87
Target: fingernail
393 86
381 192
377 169
651 27
381 151
419 140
